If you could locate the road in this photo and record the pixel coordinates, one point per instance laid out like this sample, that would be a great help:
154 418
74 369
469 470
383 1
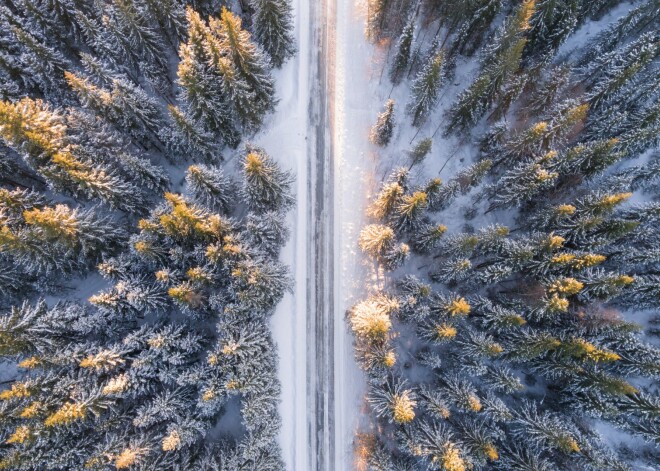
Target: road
320 288
320 131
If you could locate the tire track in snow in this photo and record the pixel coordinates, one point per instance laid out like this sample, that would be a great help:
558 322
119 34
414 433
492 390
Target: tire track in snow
321 245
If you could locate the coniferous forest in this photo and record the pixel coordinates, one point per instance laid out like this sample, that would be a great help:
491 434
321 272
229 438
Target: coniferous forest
138 267
516 324
509 319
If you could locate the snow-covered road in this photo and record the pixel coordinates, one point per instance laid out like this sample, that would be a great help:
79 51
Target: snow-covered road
320 131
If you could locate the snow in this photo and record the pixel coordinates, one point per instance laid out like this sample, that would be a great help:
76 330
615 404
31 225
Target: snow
357 88
354 108
353 105
285 139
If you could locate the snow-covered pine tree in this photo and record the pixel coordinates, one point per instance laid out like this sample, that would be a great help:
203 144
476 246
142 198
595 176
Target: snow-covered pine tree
266 186
273 28
426 88
382 131
209 186
39 135
249 64
403 52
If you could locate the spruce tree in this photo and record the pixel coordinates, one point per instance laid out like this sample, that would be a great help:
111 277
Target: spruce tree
426 88
273 25
403 51
382 131
266 186
39 135
249 63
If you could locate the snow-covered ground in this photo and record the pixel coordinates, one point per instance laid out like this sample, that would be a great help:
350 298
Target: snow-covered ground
285 139
355 104
330 95
329 84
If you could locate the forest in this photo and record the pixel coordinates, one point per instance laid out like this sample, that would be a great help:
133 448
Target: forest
161 166
515 323
139 234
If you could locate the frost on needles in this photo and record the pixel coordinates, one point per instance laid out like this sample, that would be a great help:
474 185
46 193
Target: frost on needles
514 325
138 272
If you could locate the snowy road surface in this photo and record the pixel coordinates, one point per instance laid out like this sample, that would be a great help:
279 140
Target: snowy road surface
320 131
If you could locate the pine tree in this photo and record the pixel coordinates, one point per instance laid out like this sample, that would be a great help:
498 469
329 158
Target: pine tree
126 21
266 187
545 431
503 59
636 21
249 63
40 62
426 88
427 237
125 105
273 25
403 51
386 201
187 137
420 150
266 232
523 182
550 89
170 15
202 86
382 131
621 67
371 318
37 329
39 135
452 270
393 402
550 24
376 18
209 186
408 212
474 29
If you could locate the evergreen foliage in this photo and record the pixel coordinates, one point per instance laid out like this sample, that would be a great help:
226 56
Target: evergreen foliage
172 344
516 347
272 28
382 131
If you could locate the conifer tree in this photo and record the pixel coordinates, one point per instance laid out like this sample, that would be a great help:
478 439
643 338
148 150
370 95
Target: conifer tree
266 186
550 24
523 182
125 105
472 32
201 85
394 402
409 210
426 88
376 17
383 206
40 62
39 135
50 238
427 237
503 60
249 64
403 51
420 150
209 186
273 25
382 131
187 137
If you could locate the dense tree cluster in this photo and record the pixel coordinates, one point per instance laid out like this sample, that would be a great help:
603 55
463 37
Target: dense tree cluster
165 361
141 379
527 345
